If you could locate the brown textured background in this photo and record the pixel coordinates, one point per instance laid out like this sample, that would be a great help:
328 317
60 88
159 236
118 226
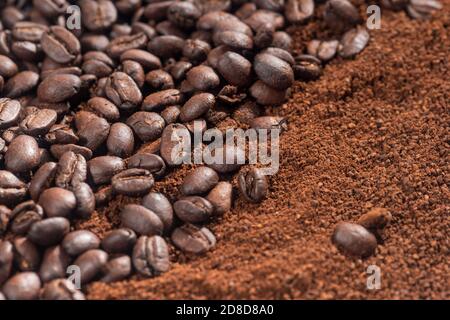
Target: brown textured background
371 132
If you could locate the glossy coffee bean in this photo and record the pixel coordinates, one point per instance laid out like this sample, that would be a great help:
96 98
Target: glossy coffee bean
104 108
307 68
166 46
42 179
85 200
98 64
203 78
116 269
172 139
61 134
57 150
119 240
225 159
12 189
171 114
135 71
148 161
9 112
8 68
98 15
22 286
132 182
161 206
58 87
235 68
24 216
339 15
61 289
71 170
122 90
147 60
21 84
6 260
159 80
353 42
199 181
299 11
26 255
193 209
253 185
180 69
80 241
38 122
354 240
148 126
221 197
266 95
197 106
91 129
192 239
183 14
162 99
58 202
22 154
151 256
141 220
54 264
196 50
324 50
123 43
120 141
49 231
103 168
91 263
273 71
60 44
28 31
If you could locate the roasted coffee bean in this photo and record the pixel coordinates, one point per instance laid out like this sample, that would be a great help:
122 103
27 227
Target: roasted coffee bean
353 42
27 51
26 255
148 126
199 181
272 5
162 99
60 44
54 264
203 78
264 17
132 182
167 28
28 31
173 138
123 91
281 54
166 46
210 20
193 239
161 206
253 185
324 50
91 263
38 122
299 11
143 27
269 122
183 14
119 241
85 200
159 80
266 95
235 68
282 40
103 168
20 84
235 40
197 106
24 216
116 269
8 68
148 161
135 71
77 242
231 26
151 256
5 215
42 179
104 108
264 36
193 209
98 64
98 15
103 196
91 129
61 289
171 114
22 286
124 43
376 219
231 160
9 112
422 9
273 71
307 67
61 133
221 197
58 150
22 154
71 170
196 50
147 60
51 8
6 260
340 15
180 69
12 189
354 240
246 10
58 87
58 202
141 220
120 141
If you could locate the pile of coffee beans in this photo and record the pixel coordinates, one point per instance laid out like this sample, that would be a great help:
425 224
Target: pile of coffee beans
88 112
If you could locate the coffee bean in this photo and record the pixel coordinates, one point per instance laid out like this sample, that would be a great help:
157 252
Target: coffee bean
235 68
120 141
9 112
61 289
123 91
5 214
269 122
197 106
307 67
167 28
224 159
221 197
85 200
199 181
54 264
159 80
282 40
42 179
354 240
162 99
193 239
272 5
147 60
58 150
376 219
28 31
266 95
20 84
232 26
8 68
172 141
92 130
60 44
340 15
135 71
196 50
59 87
51 8
61 134
264 17
299 11
148 126
203 78
422 9
353 42
103 168
24 216
235 40
124 43
77 242
22 286
132 182
91 263
104 108
141 220
193 209
281 54
103 196
166 46
148 161
161 206
210 20
143 27
71 170
273 71
183 14
253 185
58 202
38 122
26 255
22 154
324 50
157 11
151 256
116 269
12 189
6 260
98 15
119 241
98 64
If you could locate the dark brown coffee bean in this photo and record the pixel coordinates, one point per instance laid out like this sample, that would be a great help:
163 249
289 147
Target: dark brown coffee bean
8 68
340 15
132 182
116 269
193 209
50 8
422 9
58 202
98 15
141 220
91 129
123 91
307 67
162 99
42 179
324 50
232 26
49 231
171 114
148 126
266 95
58 150
299 11
54 264
282 40
98 64
38 122
166 46
58 87
203 78
124 43
20 84
224 159
28 31
199 181
71 170
253 185
94 42
235 40
5 215
85 200
157 11
147 60
281 54
271 5
159 79
353 42
12 189
120 141
91 263
104 108
9 112
103 168
197 106
265 17
354 240
151 256
192 239
269 122
61 289
172 140
151 162
80 241
60 44
221 197
196 50
273 71
27 51
24 216
183 14
161 206
376 219
119 241
180 69
22 154
22 286
6 260
135 71
235 68
26 255
210 20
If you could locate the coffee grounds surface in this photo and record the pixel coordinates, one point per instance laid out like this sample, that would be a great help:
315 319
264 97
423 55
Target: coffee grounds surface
371 132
